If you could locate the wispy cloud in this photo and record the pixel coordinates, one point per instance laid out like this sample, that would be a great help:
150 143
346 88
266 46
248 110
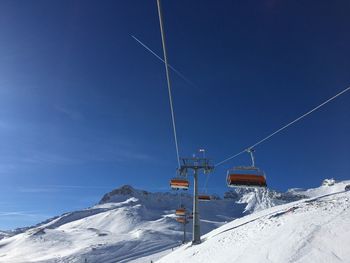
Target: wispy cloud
104 153
30 159
70 113
38 151
57 188
41 157
42 189
125 155
32 214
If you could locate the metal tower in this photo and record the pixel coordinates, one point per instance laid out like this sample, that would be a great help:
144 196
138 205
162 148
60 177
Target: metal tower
195 164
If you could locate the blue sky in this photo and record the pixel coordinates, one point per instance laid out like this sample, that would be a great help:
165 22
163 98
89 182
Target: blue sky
84 108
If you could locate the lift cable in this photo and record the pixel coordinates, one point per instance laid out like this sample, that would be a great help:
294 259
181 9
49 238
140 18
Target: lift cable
206 184
158 57
168 79
284 127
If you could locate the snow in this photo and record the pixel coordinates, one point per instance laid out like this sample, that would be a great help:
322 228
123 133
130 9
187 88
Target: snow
312 230
130 225
4 234
127 225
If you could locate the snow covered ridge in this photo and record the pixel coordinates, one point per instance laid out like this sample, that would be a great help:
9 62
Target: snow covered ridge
118 193
259 199
4 234
125 192
316 229
130 225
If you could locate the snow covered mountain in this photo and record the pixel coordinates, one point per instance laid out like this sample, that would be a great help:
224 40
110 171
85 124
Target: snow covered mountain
259 199
130 225
316 229
4 234
127 224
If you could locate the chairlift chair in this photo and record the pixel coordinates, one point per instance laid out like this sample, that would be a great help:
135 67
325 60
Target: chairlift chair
180 211
246 176
204 197
179 183
181 220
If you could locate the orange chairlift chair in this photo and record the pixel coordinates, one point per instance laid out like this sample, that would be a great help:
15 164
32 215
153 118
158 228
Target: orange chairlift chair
246 176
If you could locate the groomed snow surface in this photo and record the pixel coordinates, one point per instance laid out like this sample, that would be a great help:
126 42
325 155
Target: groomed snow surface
312 230
131 225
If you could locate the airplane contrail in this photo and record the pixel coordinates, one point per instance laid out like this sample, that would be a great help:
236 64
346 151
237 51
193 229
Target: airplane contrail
171 67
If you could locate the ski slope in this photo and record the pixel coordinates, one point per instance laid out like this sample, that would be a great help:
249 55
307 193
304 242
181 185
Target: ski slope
312 230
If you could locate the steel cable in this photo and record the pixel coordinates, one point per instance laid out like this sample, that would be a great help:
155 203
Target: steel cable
168 79
284 127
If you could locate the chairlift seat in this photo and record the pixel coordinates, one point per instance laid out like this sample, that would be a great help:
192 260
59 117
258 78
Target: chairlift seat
181 220
246 177
180 212
204 197
179 184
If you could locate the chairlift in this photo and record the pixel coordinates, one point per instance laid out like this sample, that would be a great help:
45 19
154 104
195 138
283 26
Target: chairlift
179 183
180 211
204 197
181 220
246 176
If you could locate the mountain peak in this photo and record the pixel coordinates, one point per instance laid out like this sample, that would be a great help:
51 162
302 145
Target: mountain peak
124 191
328 182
